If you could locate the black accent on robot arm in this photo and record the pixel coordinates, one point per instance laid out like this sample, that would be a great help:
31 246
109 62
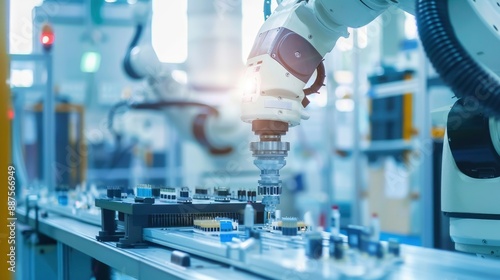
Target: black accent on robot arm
127 64
456 67
470 143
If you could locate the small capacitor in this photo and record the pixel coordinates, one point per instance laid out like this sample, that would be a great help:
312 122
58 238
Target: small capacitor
278 214
249 216
375 228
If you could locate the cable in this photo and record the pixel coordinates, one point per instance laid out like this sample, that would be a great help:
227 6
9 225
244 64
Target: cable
111 116
127 64
456 67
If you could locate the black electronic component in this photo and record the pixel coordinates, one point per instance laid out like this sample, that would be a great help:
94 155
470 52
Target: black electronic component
393 247
314 245
357 236
184 192
156 192
110 193
117 193
222 195
252 196
184 196
201 193
135 215
336 247
242 195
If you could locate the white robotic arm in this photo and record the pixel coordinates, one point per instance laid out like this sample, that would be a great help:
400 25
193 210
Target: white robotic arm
291 45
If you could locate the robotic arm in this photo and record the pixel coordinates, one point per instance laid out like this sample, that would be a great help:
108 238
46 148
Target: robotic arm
216 129
290 47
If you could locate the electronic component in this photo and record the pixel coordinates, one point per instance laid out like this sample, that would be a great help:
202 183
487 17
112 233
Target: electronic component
357 236
336 247
374 248
184 196
393 247
143 190
180 258
314 245
252 196
374 228
201 194
148 214
206 225
221 226
168 195
289 226
221 195
114 193
249 216
242 195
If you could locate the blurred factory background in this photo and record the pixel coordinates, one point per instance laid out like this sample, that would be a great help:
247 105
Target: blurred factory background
371 142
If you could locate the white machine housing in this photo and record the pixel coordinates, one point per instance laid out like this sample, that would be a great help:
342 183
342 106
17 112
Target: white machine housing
463 194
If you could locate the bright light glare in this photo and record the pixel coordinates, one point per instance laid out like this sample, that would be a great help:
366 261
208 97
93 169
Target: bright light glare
45 39
362 37
343 77
21 78
346 44
319 100
90 62
131 2
180 76
252 20
110 1
250 86
170 40
21 26
410 27
343 91
344 105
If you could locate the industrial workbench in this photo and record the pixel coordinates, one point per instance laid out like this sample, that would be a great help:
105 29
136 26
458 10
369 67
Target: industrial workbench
154 262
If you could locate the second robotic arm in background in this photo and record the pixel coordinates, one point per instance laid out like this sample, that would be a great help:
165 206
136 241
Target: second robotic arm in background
217 129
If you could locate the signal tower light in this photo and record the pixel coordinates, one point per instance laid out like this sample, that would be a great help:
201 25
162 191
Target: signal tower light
47 38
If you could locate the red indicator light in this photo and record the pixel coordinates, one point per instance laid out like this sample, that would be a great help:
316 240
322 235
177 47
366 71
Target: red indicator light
47 37
10 114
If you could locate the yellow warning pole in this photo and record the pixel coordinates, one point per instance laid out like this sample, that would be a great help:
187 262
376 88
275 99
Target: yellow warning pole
5 156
